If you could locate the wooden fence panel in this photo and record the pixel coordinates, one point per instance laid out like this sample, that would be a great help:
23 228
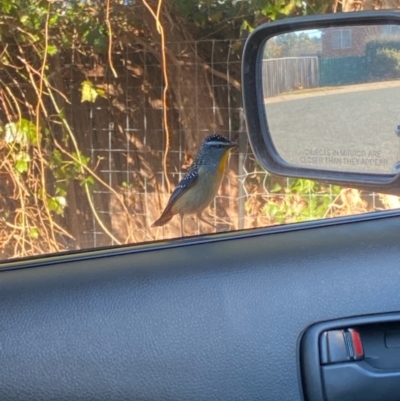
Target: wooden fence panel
289 74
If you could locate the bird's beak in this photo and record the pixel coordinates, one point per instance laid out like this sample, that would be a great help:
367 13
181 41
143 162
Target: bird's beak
233 145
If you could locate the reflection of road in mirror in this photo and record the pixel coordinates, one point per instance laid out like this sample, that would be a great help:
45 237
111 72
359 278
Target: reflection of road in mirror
347 128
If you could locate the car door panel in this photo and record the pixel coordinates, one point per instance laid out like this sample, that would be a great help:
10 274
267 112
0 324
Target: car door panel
215 319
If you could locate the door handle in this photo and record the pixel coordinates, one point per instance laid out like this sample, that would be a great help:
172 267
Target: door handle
360 382
352 360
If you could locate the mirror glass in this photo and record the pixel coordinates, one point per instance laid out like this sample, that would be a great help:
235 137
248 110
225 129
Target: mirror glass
332 97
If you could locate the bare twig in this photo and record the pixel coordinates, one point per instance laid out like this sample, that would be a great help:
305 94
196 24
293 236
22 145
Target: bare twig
110 39
160 29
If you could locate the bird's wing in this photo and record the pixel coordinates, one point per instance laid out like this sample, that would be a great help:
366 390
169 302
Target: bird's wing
185 183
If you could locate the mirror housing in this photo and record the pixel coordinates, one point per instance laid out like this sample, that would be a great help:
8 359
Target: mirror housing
267 134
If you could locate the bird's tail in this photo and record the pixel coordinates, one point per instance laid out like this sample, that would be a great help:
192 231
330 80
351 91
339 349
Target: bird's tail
164 219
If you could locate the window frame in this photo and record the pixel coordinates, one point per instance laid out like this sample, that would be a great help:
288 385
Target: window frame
339 33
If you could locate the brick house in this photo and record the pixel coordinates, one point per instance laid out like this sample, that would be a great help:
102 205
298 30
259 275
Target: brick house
351 41
344 42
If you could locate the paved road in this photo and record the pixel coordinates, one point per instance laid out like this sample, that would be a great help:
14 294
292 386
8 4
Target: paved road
340 129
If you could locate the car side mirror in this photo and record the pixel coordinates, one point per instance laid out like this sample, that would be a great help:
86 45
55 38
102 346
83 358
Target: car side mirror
322 98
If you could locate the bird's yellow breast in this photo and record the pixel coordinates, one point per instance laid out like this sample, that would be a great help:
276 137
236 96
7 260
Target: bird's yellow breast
224 159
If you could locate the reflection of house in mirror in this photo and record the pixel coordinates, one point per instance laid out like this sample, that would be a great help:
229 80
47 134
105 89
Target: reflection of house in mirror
344 42
352 40
359 54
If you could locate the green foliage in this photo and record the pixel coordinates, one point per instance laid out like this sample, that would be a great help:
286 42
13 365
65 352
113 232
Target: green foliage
226 19
22 160
383 59
292 45
65 171
71 23
390 58
20 136
23 133
34 233
386 64
56 204
303 200
90 92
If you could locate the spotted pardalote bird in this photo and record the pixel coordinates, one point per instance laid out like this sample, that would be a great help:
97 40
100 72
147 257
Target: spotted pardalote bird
200 184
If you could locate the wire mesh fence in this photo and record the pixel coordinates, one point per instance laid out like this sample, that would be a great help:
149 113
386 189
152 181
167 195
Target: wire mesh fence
132 149
104 106
132 146
116 146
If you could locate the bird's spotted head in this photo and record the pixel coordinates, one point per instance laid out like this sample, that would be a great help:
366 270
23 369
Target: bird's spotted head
218 141
214 152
